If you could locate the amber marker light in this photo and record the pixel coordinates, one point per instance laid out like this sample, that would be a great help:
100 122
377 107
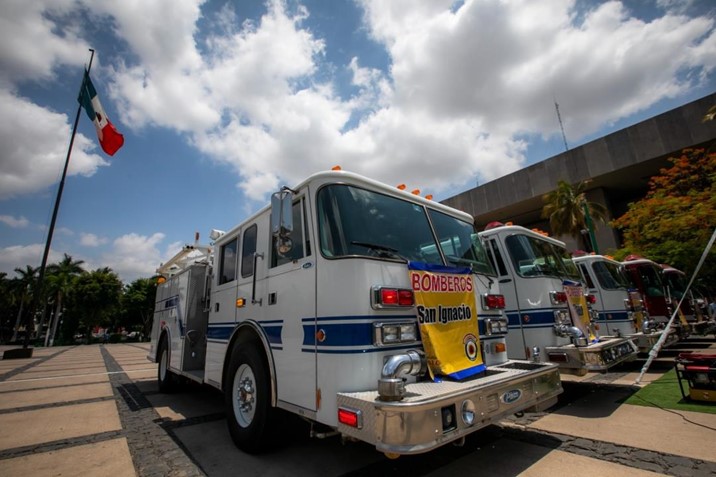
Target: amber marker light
429 197
240 303
336 168
401 186
416 191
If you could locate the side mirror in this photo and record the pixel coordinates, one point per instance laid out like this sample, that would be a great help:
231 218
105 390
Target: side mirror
282 220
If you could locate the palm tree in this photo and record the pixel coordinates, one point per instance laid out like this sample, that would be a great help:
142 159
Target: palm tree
25 284
566 208
59 280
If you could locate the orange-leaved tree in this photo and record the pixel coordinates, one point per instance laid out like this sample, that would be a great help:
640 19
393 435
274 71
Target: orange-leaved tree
676 219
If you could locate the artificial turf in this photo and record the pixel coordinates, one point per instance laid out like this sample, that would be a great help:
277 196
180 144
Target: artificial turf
664 393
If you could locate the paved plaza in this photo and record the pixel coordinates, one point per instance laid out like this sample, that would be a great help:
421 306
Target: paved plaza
94 410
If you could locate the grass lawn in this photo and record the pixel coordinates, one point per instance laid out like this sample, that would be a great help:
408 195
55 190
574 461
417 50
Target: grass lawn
664 393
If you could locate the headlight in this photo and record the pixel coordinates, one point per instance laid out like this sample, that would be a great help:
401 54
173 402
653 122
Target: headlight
561 317
395 333
496 325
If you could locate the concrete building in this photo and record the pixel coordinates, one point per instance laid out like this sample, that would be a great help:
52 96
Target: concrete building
618 168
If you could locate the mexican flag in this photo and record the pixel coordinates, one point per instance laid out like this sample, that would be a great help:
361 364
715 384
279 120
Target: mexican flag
109 138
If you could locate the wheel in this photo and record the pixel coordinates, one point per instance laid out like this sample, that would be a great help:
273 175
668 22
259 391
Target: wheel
247 396
166 379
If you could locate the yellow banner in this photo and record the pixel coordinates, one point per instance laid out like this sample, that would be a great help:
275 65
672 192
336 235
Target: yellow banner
447 319
578 308
635 301
682 318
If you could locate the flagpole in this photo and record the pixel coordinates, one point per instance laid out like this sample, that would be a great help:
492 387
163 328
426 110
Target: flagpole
41 277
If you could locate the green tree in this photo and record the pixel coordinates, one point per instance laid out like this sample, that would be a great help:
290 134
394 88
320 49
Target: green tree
24 288
6 307
676 219
138 305
94 301
59 281
565 209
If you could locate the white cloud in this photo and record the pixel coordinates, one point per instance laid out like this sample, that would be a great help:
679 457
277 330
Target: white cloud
91 240
505 62
466 80
20 256
133 256
33 43
33 147
14 222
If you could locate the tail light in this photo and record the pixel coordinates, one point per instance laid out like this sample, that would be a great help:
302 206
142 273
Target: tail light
386 297
493 302
558 297
591 299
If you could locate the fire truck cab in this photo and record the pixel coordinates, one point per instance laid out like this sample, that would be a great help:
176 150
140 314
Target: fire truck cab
675 281
645 275
550 317
620 307
308 307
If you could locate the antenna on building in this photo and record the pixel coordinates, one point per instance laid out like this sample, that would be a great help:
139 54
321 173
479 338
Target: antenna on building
561 126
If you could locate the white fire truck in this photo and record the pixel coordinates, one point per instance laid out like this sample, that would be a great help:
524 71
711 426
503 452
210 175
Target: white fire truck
550 317
620 307
307 307
645 275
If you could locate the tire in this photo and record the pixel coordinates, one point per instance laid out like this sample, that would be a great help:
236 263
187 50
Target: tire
167 380
247 397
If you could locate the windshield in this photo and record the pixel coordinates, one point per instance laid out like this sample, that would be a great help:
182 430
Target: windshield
533 257
610 275
358 222
676 283
650 277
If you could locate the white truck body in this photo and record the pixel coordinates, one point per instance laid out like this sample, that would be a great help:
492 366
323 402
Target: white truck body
310 316
548 319
620 308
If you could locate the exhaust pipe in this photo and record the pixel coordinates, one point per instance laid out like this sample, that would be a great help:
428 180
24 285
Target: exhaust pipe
391 385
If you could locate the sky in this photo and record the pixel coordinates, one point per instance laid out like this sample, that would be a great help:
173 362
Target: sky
223 102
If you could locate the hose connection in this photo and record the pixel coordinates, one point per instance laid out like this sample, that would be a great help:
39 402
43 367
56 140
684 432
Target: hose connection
391 385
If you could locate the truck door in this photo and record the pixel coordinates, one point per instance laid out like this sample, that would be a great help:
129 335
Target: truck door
516 341
291 306
223 298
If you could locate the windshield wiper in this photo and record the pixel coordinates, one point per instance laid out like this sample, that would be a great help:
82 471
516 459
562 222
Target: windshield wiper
382 251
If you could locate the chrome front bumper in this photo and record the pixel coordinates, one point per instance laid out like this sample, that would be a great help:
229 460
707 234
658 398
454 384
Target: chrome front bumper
422 420
647 341
595 357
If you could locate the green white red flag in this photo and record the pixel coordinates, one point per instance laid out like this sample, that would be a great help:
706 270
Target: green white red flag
109 138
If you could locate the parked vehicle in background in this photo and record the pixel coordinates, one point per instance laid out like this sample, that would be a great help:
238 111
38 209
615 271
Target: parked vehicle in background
645 275
676 282
551 319
620 307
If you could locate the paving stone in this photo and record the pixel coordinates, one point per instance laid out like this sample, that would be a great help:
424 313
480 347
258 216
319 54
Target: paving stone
681 471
